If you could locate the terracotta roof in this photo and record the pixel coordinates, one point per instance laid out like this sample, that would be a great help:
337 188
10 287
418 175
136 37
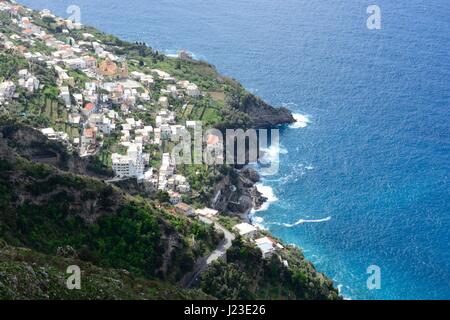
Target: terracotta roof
89 106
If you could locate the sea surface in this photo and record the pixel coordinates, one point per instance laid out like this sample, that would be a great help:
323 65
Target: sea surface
364 175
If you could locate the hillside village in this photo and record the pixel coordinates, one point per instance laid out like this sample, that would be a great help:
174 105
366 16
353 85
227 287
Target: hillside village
108 81
101 96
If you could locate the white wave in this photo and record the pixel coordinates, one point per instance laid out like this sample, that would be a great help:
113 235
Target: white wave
271 157
301 221
268 193
257 219
257 222
272 151
301 121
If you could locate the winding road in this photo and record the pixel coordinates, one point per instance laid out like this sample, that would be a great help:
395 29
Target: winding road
202 264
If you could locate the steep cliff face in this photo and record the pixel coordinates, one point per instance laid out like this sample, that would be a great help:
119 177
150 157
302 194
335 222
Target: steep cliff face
244 109
236 193
264 115
33 145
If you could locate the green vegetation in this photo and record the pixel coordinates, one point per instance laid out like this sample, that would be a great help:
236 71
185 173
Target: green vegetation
10 64
202 179
101 224
246 275
27 274
228 221
125 244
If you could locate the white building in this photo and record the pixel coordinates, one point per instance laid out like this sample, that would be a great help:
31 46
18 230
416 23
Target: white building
101 122
75 63
49 133
31 84
130 165
163 102
267 246
65 95
207 212
192 90
74 118
191 124
78 98
246 230
53 135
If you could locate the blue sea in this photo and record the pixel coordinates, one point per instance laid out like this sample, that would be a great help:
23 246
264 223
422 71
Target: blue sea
364 175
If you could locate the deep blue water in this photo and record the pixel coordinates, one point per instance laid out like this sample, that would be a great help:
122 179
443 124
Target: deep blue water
373 161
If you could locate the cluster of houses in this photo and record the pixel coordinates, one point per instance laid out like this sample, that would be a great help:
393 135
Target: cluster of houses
134 136
168 180
206 212
180 89
109 81
28 81
90 107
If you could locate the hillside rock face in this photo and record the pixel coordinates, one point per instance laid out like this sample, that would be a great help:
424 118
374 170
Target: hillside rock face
236 193
34 146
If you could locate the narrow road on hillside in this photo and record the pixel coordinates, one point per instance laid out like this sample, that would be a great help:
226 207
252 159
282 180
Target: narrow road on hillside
202 264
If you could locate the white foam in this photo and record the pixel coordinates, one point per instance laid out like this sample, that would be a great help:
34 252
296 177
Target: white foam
273 151
301 121
301 221
271 157
257 221
268 193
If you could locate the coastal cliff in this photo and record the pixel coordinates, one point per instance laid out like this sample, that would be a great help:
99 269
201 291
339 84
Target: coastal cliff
55 203
260 113
235 194
51 218
264 115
